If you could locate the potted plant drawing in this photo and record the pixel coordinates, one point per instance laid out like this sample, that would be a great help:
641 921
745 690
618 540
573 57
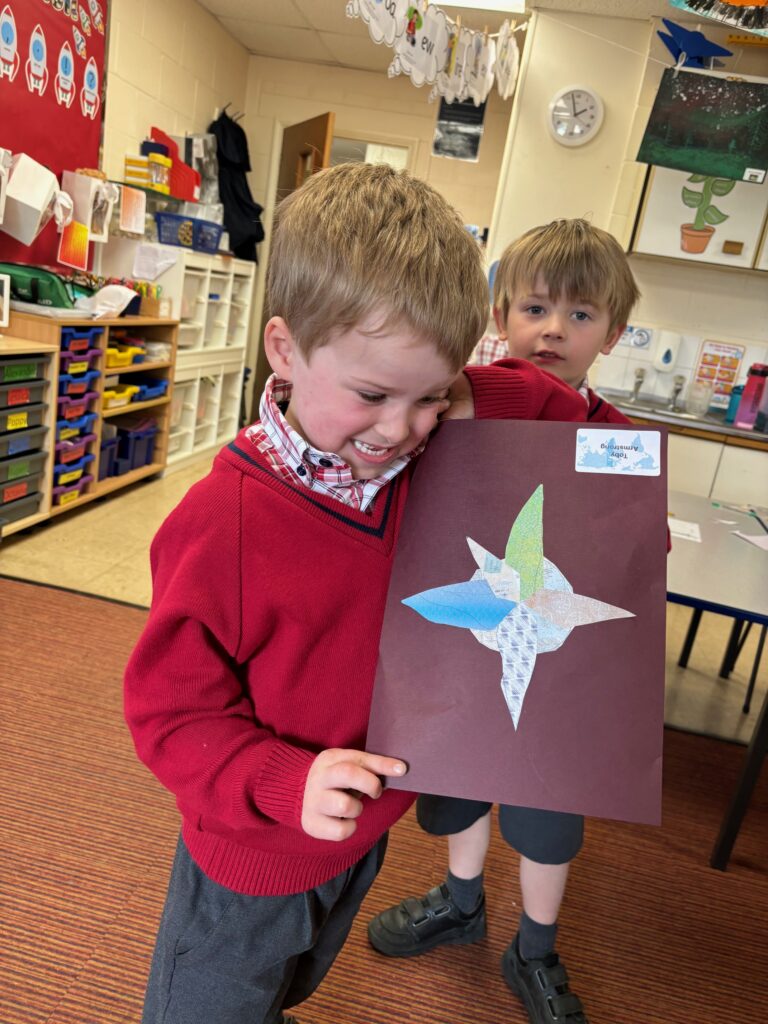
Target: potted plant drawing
695 237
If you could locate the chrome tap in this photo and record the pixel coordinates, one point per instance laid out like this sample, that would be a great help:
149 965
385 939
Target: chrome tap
678 383
639 378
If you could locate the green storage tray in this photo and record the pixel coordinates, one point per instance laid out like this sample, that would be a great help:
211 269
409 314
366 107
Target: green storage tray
26 392
19 368
21 465
19 509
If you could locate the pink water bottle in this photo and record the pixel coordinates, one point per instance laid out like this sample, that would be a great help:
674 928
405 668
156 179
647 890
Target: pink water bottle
750 399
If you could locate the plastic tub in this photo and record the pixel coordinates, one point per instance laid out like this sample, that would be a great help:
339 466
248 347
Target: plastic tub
12 490
78 385
13 370
25 465
64 495
67 430
136 446
120 394
80 339
78 362
74 408
22 417
107 457
71 451
68 474
19 509
22 394
25 441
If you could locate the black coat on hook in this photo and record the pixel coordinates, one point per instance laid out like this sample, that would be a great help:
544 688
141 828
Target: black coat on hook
242 215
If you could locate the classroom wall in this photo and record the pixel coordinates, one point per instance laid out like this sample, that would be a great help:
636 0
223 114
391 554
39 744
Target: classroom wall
368 104
542 180
170 64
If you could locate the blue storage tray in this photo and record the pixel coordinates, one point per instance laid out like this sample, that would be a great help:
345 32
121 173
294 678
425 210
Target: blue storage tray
149 391
77 384
71 467
80 339
80 426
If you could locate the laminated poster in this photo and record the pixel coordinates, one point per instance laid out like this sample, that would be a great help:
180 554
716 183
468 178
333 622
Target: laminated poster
522 651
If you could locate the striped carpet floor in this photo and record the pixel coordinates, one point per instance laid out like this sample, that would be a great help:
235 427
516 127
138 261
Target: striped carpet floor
650 933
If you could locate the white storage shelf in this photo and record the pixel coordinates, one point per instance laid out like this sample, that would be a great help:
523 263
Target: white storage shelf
211 296
722 472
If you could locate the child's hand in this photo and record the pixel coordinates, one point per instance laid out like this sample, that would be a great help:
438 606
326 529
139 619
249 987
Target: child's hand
462 405
335 782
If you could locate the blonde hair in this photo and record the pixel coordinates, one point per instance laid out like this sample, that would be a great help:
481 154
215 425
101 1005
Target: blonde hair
576 260
362 239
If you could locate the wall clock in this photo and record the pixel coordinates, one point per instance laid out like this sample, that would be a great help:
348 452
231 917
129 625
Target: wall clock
575 115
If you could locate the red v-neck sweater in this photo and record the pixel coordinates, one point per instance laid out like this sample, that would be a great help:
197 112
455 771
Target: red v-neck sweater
260 651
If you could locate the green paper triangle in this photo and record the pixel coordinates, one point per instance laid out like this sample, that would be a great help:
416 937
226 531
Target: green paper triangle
525 547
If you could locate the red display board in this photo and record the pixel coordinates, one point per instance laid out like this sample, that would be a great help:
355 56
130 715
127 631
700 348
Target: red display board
51 93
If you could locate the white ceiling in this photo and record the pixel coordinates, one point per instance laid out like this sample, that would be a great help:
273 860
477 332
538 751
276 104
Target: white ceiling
319 30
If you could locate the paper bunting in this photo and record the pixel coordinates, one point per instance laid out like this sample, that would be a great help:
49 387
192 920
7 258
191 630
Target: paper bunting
430 48
521 607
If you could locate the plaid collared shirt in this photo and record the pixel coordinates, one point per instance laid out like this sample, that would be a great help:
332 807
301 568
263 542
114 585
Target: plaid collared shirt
294 459
490 348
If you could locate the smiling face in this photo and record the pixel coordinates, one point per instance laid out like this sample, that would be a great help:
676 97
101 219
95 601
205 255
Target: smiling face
366 396
561 335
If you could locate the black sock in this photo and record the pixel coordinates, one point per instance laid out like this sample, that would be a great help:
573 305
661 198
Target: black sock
536 940
466 892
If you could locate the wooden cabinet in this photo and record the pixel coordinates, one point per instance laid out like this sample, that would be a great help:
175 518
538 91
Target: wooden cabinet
83 424
732 216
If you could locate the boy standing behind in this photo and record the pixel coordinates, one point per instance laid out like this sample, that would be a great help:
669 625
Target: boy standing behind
249 691
562 296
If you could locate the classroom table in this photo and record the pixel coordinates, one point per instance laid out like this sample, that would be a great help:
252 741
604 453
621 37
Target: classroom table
727 575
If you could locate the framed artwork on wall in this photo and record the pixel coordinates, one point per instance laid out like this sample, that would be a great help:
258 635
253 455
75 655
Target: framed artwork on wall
703 218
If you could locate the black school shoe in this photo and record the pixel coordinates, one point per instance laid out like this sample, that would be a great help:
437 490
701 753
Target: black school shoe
417 925
543 987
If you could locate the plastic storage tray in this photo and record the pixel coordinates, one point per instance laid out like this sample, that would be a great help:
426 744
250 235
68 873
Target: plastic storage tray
22 394
72 471
150 391
78 362
119 395
21 417
80 339
74 408
77 385
67 430
12 490
19 509
117 357
24 441
25 465
65 494
21 368
135 447
71 451
107 457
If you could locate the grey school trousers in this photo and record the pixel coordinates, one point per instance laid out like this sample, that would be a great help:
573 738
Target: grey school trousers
225 958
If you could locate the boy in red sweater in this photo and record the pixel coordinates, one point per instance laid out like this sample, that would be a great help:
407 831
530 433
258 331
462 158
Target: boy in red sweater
249 691
562 296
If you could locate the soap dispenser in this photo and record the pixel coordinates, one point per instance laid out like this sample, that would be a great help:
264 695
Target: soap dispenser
667 347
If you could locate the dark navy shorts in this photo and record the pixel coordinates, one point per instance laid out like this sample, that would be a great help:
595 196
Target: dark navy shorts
546 837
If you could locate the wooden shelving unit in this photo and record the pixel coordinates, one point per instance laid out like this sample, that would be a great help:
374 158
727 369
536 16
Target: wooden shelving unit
41 334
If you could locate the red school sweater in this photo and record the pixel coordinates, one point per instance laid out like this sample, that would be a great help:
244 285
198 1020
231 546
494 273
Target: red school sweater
261 646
